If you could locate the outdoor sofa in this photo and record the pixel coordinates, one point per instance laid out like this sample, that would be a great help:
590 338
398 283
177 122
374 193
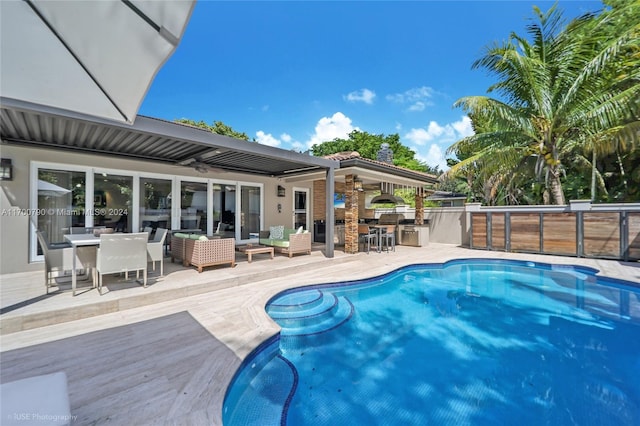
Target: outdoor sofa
288 241
201 251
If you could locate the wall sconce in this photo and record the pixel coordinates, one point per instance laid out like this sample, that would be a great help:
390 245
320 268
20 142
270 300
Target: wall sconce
357 184
280 191
6 169
279 208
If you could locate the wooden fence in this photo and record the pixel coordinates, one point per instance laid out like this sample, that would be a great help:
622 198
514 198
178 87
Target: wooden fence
580 229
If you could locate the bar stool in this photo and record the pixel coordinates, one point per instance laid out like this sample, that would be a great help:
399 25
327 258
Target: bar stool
365 234
388 237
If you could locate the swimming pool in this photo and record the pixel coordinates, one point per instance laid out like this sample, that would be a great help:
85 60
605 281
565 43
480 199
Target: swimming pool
478 342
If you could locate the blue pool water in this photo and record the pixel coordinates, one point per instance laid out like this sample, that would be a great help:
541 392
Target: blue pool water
469 342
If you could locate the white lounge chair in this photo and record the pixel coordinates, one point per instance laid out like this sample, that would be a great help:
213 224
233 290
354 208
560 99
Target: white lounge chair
42 400
122 253
155 247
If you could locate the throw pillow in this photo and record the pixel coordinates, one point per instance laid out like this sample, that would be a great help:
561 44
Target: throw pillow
299 231
276 232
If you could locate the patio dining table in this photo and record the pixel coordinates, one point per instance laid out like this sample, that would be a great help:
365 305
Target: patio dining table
77 240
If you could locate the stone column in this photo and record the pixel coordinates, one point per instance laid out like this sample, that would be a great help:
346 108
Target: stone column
350 216
419 220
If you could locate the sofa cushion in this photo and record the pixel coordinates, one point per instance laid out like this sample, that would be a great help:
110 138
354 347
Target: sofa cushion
197 237
300 230
276 232
274 243
288 232
180 235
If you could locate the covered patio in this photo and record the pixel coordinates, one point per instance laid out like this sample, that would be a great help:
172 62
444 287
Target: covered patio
359 183
153 171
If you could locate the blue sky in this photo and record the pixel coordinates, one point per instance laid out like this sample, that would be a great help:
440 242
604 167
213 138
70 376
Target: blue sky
290 74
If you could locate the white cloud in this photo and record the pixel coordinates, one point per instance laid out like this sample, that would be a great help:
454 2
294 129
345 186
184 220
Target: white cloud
418 106
266 139
265 108
285 137
421 136
298 146
463 127
430 143
412 95
363 95
329 128
434 157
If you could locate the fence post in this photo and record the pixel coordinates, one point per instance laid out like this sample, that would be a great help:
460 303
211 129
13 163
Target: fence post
469 209
541 229
489 231
624 236
579 206
507 231
579 234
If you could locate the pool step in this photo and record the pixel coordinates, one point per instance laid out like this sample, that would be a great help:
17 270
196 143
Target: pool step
295 301
307 315
331 313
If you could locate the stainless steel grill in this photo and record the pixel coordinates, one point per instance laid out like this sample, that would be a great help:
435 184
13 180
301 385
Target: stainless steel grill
390 219
407 232
413 235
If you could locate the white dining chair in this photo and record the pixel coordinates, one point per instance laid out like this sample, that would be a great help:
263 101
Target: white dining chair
155 249
60 259
122 253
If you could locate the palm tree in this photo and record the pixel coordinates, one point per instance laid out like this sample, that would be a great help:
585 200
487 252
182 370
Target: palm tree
565 92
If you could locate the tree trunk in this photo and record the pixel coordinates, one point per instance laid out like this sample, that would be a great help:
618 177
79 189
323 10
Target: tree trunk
593 177
623 177
556 187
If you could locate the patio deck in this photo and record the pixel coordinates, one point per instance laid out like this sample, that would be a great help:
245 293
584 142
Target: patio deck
165 354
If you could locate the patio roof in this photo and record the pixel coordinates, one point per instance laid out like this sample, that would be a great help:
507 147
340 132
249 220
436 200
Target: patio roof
149 139
373 171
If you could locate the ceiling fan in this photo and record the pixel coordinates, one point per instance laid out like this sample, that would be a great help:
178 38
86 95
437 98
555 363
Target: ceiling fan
198 164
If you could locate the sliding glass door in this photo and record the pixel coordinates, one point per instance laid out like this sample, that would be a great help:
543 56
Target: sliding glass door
301 208
193 205
66 196
250 211
113 201
224 209
155 203
61 203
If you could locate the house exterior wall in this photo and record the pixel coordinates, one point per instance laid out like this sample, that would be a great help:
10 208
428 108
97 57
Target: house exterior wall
15 198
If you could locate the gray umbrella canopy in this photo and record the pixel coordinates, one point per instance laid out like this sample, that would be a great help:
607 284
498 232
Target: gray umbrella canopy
93 57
